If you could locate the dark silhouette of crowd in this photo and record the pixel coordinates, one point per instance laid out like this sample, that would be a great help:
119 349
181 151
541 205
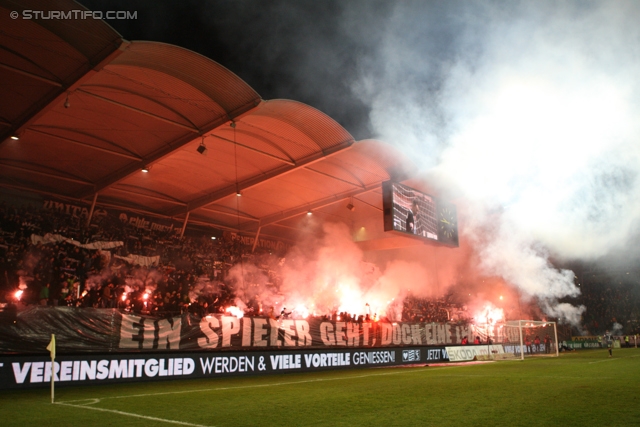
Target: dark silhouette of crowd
191 273
420 309
612 303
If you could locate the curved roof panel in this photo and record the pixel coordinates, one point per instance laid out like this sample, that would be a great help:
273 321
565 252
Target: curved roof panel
241 154
92 110
132 112
41 58
301 127
202 74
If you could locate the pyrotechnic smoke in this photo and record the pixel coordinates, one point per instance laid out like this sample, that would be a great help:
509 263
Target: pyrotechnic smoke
527 111
617 329
563 311
203 286
330 275
325 273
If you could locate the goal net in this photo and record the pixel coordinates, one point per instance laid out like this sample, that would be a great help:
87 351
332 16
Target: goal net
525 338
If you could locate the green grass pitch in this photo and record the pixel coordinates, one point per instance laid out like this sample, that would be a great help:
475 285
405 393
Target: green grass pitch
581 388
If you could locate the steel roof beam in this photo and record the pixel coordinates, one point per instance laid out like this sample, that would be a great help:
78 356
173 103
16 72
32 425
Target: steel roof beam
47 174
280 159
31 75
358 184
167 149
233 214
298 210
36 129
38 191
55 96
260 179
145 97
166 199
143 112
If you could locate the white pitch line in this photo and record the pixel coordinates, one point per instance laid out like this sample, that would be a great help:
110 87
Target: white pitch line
130 414
253 386
258 385
89 401
614 358
535 377
202 390
606 360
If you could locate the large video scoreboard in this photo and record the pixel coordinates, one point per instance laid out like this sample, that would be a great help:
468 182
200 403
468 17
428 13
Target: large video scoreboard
410 211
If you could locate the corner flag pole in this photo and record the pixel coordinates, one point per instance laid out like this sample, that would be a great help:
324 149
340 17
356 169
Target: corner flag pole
52 349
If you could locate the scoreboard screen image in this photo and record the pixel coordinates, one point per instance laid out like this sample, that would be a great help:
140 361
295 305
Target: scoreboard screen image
410 211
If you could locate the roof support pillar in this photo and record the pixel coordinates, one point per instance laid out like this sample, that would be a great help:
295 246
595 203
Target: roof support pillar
93 207
255 241
184 224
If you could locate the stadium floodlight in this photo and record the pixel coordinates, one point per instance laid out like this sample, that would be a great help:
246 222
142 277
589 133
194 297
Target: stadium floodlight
202 149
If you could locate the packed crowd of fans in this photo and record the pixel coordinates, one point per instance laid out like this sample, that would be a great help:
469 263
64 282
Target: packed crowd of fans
612 305
192 273
416 309
64 274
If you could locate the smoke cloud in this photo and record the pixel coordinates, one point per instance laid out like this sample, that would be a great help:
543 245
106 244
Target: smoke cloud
326 273
528 113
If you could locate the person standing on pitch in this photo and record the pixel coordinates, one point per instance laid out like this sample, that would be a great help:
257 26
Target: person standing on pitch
547 344
609 341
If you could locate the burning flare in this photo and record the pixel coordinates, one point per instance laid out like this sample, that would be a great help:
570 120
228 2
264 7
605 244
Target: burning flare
489 315
235 311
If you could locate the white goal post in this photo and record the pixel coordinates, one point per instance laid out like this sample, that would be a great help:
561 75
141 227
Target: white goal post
530 338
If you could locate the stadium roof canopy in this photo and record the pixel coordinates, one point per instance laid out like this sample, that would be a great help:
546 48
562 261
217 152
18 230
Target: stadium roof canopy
91 110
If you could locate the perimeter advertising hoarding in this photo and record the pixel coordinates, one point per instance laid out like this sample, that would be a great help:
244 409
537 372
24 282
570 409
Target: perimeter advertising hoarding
412 212
469 352
35 371
580 344
526 349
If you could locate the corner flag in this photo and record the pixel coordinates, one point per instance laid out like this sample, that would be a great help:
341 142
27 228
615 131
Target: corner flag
52 349
52 346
